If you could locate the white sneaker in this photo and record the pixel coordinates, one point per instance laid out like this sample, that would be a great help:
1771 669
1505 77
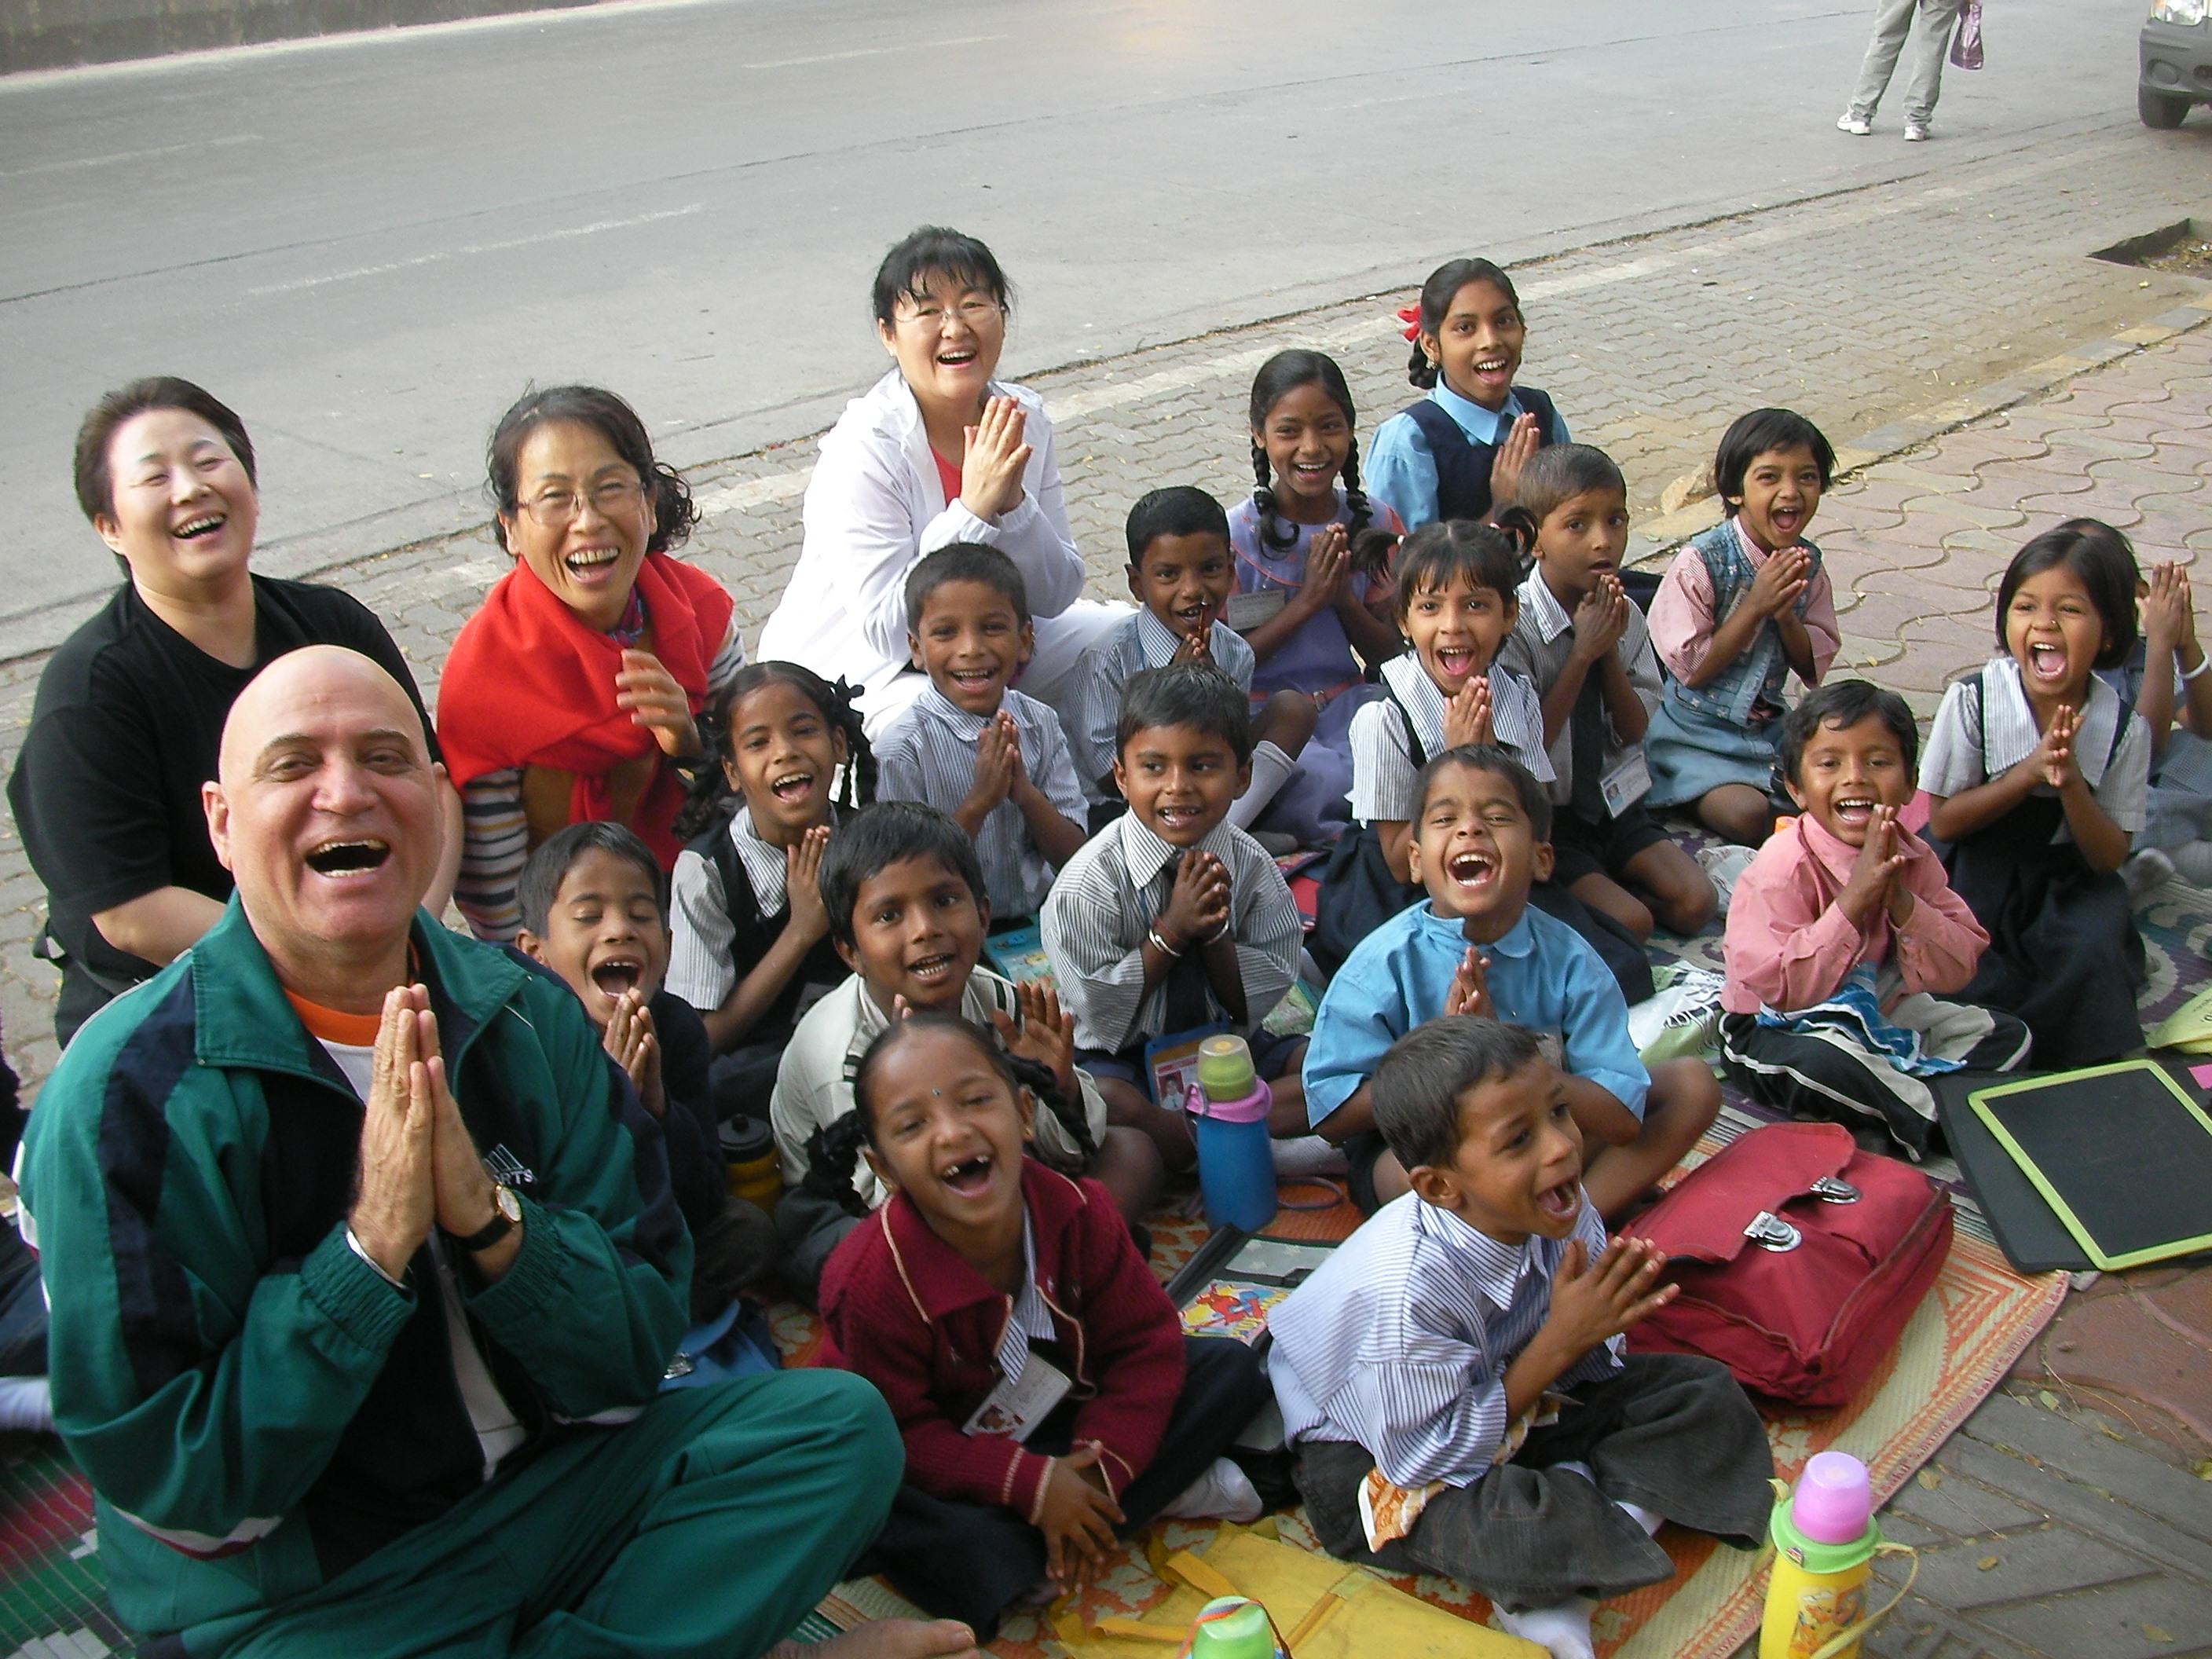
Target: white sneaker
1222 1494
2145 872
1855 124
1915 132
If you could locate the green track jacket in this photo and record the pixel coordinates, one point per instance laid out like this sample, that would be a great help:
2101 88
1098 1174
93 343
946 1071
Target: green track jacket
256 1407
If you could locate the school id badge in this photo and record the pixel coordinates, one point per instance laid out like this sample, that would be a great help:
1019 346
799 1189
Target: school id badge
1018 1404
1626 784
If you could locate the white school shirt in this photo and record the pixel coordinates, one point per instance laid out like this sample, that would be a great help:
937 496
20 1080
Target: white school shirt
875 505
1091 701
1953 762
1382 770
498 1432
700 932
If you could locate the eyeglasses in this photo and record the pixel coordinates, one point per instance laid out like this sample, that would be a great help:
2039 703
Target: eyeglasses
557 508
975 313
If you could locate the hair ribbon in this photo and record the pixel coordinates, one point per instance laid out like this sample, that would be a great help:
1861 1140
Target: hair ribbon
1411 316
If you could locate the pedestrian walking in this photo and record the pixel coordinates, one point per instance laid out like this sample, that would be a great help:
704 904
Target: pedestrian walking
1929 24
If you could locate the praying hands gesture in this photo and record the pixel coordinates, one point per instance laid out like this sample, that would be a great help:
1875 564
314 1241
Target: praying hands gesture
2169 617
1197 645
630 1037
1329 561
657 702
802 884
1873 884
998 769
1469 992
1045 1032
1198 904
1466 715
991 471
1600 619
419 1167
1515 452
1781 582
2053 760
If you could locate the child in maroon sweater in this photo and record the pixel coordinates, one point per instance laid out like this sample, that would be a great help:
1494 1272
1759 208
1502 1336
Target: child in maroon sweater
1037 1371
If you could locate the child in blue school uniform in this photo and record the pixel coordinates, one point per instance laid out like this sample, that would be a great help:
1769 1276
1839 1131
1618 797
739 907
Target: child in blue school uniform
1458 452
1313 595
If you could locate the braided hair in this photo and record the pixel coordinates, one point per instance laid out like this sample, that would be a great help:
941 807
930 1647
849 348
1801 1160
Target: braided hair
1281 375
711 800
833 1151
1437 294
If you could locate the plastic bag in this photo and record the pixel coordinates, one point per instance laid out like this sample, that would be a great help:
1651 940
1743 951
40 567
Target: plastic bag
1967 41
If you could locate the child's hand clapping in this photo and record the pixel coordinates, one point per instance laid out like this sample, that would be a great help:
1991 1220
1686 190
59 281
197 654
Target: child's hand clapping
1466 715
657 702
802 883
1329 561
1198 904
1600 619
2053 759
991 471
1873 881
1591 1307
630 1038
998 767
2169 613
1469 992
1516 451
1197 645
1781 581
1045 1032
1078 1518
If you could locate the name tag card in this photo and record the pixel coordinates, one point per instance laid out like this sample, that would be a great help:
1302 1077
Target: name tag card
1246 611
1626 784
1014 1409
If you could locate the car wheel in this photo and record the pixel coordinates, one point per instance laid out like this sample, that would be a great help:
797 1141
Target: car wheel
2161 109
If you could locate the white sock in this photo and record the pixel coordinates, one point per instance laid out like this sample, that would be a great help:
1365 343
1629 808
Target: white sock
1224 1493
1642 1518
2194 861
1271 770
1564 1631
26 1403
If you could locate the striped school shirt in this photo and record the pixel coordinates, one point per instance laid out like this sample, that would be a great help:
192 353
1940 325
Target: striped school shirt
1542 640
927 753
701 970
1383 771
1091 707
1400 1343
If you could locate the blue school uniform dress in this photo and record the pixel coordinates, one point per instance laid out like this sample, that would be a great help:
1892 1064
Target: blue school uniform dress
1432 459
1317 660
2064 952
1542 974
1729 729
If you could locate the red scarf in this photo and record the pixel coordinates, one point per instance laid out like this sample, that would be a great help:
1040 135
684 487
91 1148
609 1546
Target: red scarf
529 682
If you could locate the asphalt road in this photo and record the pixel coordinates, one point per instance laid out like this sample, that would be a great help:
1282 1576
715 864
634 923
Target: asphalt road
369 245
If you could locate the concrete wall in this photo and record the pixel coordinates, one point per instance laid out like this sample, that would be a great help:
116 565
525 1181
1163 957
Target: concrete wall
54 33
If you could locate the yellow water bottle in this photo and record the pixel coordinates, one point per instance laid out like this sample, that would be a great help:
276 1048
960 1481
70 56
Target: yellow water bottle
1824 1539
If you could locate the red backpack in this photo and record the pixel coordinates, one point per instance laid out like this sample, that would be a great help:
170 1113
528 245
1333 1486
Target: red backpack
1800 1259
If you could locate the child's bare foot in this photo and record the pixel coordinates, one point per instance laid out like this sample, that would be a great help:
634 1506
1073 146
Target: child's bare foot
888 1638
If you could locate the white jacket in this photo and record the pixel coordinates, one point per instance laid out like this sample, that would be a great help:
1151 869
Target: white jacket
875 505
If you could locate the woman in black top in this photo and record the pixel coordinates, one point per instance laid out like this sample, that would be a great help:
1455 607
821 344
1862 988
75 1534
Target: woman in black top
130 710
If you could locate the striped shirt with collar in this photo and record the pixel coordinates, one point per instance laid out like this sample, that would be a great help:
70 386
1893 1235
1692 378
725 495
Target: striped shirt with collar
927 754
1383 771
1400 1343
1542 639
1091 707
700 968
1116 886
1030 1319
1953 761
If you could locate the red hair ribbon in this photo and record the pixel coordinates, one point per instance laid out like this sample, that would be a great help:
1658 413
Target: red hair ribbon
1411 316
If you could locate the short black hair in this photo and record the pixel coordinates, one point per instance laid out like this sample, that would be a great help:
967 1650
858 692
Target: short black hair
1185 694
1178 510
610 415
1489 758
1448 550
1749 436
538 887
875 838
95 478
964 562
1840 703
1418 1085
2104 562
932 248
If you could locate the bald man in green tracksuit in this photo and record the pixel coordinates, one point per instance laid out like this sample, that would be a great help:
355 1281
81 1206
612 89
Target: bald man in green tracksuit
364 1272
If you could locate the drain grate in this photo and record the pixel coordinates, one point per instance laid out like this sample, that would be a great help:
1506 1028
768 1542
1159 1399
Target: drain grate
2183 248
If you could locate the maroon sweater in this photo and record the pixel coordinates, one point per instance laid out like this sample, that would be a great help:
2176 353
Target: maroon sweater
903 1309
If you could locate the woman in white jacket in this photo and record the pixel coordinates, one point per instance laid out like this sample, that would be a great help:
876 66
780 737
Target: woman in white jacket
936 451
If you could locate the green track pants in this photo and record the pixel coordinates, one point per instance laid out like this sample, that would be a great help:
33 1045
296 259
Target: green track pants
705 1529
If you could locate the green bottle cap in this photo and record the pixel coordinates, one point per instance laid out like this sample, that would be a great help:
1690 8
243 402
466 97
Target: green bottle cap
1816 1557
1232 1628
1225 1067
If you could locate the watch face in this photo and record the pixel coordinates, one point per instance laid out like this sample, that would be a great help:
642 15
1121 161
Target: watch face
508 1204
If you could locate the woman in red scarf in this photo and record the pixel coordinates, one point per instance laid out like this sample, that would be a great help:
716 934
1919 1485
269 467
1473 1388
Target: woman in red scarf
571 693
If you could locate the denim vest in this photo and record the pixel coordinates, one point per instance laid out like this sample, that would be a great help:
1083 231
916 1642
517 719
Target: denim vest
1758 670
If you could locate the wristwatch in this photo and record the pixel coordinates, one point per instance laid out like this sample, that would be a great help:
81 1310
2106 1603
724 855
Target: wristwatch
506 1216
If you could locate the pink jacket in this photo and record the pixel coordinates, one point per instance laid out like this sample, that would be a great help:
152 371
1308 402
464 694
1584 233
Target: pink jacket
1788 947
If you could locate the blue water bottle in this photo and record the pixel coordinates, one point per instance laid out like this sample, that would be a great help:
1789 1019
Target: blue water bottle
1235 1164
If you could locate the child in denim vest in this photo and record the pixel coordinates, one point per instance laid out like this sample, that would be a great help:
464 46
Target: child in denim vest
1743 606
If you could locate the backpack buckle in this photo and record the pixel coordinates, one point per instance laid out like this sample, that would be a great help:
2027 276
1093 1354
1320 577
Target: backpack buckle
1770 1233
1834 1189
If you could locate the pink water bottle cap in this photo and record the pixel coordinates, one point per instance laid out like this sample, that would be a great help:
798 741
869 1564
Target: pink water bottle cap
1834 1501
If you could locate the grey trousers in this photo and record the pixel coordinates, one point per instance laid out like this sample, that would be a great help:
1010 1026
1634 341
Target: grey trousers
1929 22
1671 1432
